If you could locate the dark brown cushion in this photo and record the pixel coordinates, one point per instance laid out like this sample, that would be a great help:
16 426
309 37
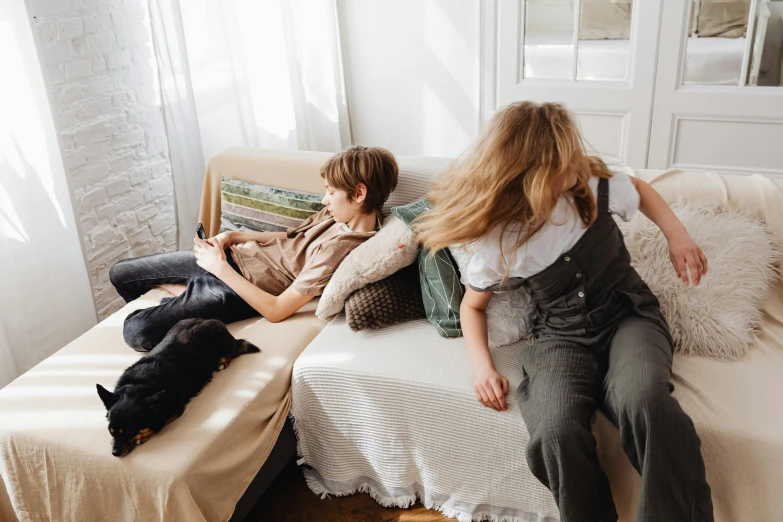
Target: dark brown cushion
392 300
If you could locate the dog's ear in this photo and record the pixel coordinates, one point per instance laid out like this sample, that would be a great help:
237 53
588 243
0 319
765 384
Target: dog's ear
108 398
154 400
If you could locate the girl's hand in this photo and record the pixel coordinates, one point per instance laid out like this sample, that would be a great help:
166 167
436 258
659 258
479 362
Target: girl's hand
683 251
210 258
491 388
222 240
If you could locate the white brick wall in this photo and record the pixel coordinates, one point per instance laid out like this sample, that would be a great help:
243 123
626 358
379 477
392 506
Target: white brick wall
98 66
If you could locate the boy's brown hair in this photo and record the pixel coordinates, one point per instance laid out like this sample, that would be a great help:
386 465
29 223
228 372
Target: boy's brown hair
375 167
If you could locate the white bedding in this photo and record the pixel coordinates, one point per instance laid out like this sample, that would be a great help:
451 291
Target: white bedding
713 61
392 412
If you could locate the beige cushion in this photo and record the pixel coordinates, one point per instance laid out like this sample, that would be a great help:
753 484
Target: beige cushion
723 18
605 19
720 316
390 250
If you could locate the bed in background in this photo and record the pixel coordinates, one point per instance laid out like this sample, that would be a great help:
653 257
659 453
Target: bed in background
714 53
709 61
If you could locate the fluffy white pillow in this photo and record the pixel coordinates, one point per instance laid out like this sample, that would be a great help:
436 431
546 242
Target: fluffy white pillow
508 313
719 317
391 249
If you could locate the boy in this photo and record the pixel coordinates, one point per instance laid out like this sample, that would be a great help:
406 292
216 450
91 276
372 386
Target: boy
237 275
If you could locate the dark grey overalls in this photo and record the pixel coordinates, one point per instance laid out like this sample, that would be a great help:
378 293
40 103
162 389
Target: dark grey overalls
601 341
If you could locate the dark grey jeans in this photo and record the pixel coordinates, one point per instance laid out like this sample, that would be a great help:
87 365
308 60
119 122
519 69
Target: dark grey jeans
629 378
206 296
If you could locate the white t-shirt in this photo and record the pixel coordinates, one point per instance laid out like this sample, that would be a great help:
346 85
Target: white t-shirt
555 238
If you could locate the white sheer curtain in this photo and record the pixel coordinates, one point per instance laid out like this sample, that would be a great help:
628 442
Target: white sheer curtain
45 297
246 73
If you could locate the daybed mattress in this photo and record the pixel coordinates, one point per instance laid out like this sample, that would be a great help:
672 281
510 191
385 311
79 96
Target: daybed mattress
55 454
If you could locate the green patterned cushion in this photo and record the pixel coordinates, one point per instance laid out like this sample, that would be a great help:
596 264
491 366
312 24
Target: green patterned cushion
247 206
441 290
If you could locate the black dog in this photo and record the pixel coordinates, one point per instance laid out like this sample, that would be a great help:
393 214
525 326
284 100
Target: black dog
155 389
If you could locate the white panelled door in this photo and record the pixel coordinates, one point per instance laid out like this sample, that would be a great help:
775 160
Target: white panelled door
555 50
710 119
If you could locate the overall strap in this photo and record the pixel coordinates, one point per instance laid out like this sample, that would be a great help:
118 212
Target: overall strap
603 196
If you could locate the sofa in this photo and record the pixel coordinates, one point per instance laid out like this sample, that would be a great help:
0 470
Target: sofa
390 411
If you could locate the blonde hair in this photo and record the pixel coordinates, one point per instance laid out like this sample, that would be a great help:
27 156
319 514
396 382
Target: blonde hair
506 178
374 167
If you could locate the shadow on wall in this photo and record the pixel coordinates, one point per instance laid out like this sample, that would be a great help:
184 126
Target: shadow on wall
412 74
450 37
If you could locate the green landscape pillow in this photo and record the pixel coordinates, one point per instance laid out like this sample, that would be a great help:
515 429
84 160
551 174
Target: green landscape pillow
247 206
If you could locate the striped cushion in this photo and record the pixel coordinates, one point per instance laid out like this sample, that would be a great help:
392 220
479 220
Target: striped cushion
247 206
441 290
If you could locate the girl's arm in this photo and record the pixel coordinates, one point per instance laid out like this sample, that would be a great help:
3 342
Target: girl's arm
489 386
683 251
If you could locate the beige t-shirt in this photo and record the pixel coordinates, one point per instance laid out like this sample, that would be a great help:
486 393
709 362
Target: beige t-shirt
306 259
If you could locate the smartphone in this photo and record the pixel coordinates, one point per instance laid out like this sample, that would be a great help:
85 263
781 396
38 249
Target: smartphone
200 232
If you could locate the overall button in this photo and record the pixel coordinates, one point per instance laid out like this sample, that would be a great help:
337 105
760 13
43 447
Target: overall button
581 294
566 259
579 275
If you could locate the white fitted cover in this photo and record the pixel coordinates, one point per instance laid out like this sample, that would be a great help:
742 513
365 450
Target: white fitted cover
392 411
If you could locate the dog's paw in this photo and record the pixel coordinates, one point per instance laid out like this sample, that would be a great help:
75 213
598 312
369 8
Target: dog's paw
143 436
224 362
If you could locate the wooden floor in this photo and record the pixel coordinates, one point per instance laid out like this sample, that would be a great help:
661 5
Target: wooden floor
289 499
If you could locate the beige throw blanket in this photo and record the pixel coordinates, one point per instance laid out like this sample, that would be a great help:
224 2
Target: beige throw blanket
55 455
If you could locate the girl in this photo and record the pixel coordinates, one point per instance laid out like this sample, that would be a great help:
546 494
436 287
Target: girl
537 211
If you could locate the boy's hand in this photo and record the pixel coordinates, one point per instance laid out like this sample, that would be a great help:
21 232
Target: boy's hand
221 241
683 251
491 388
209 257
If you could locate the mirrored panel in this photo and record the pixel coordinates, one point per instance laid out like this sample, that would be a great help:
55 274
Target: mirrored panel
549 39
766 58
733 42
604 46
717 34
600 53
